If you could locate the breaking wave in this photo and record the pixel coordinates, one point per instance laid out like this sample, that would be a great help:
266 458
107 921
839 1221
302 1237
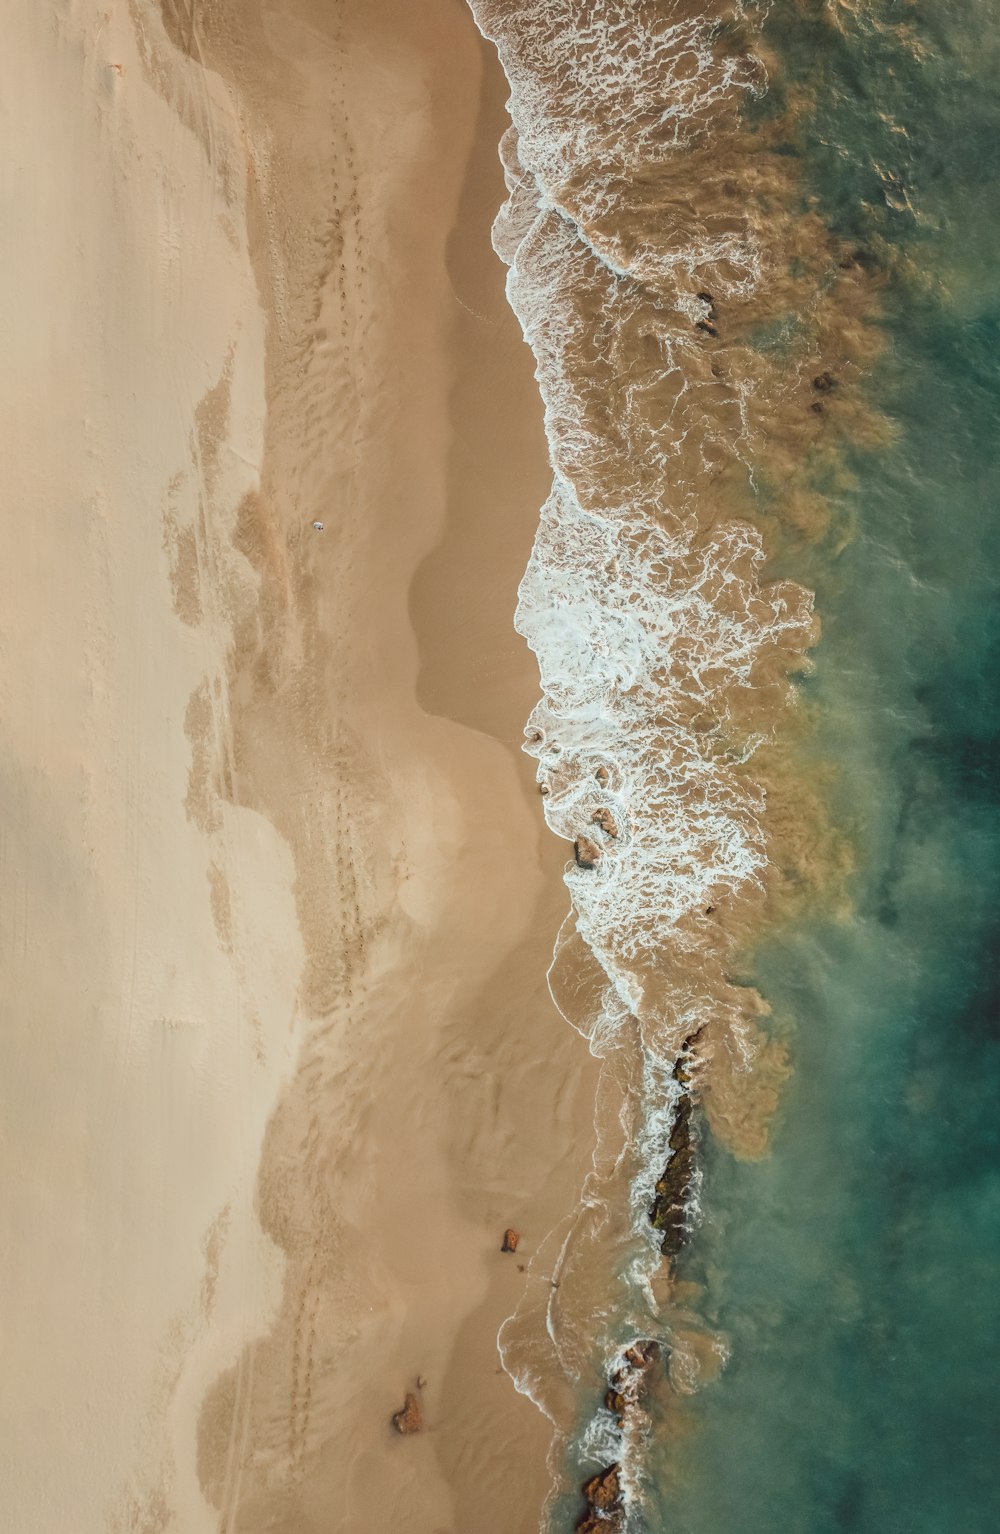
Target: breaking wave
653 239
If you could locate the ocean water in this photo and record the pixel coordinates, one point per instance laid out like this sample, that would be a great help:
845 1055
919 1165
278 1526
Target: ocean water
755 254
856 1270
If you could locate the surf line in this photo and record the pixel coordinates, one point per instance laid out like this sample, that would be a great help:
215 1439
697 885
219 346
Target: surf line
642 266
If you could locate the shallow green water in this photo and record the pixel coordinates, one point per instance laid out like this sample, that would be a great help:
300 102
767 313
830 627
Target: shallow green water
856 1270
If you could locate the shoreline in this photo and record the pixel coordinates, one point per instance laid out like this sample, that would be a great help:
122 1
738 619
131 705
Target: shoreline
417 833
292 1013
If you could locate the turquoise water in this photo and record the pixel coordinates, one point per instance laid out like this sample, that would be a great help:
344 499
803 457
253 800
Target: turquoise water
856 1270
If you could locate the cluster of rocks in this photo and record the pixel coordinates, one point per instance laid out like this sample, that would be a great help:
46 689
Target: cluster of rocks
586 850
605 1509
606 821
668 1212
626 1385
822 383
605 1512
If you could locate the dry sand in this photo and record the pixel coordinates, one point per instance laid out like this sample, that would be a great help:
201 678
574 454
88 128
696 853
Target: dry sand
279 1064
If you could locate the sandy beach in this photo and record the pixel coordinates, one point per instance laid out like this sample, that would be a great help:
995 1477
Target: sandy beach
279 1064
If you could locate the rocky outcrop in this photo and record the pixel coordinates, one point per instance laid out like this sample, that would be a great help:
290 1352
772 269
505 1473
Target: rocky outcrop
593 1523
510 1240
641 1355
668 1213
674 1183
586 852
409 1418
626 1385
606 821
603 1491
604 1512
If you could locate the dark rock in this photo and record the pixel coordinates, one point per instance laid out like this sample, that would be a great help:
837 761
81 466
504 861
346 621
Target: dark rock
593 1523
603 1491
707 327
680 1071
409 1419
817 407
641 1355
626 1385
510 1240
604 1513
824 382
586 852
673 1186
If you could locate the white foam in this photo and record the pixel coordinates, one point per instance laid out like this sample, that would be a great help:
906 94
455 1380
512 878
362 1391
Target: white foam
644 628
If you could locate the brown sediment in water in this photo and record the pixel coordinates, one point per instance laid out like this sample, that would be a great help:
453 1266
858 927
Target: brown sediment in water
292 1017
702 339
736 178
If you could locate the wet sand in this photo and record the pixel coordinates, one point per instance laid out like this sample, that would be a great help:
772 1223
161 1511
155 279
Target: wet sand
278 903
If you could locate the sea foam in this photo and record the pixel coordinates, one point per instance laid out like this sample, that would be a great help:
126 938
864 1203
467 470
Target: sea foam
644 600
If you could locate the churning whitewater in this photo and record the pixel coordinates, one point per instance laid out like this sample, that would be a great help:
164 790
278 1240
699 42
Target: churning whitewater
651 238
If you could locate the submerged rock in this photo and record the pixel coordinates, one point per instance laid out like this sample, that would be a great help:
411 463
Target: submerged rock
824 382
586 852
409 1418
510 1240
858 258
